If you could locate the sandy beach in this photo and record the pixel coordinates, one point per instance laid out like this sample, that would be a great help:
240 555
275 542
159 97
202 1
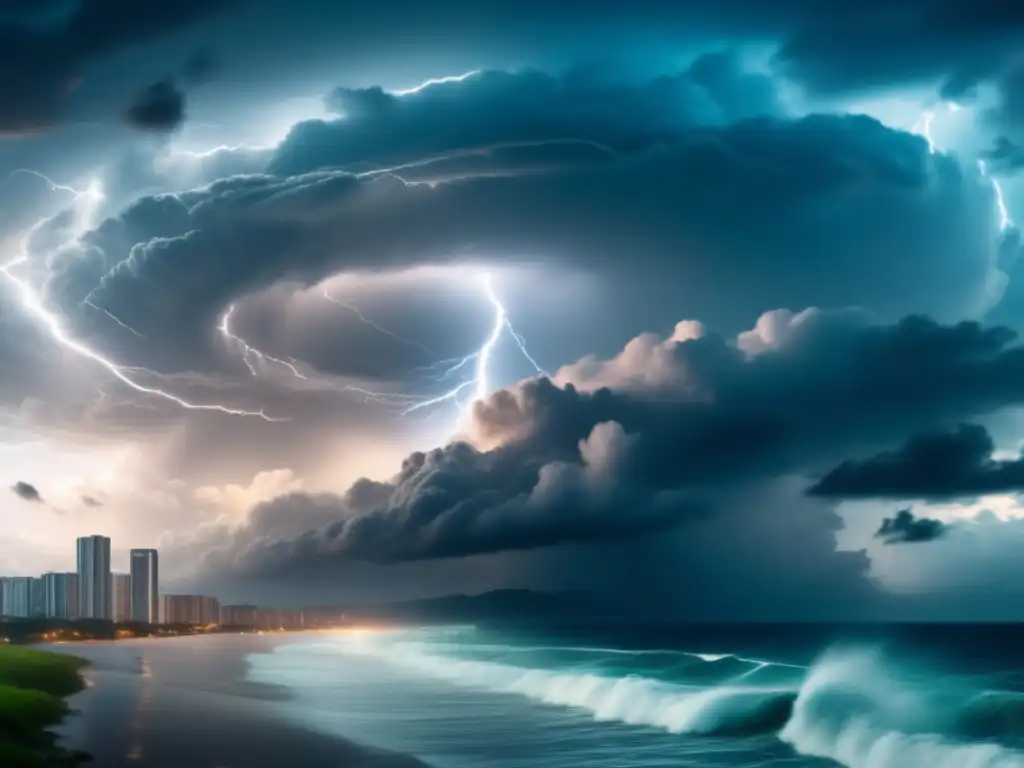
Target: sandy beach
168 703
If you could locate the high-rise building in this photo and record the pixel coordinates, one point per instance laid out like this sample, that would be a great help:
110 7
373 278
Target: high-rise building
94 598
145 575
61 595
16 597
37 598
121 596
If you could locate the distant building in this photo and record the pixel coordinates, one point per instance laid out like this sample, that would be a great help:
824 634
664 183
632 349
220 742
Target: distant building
209 612
94 584
60 600
16 597
189 609
121 596
273 618
37 598
319 617
145 586
238 615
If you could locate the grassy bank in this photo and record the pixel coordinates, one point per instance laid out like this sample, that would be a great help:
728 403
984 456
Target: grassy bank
33 685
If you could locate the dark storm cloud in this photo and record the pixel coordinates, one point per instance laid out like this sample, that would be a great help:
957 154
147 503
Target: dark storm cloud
1008 113
487 109
45 57
940 465
771 212
1006 156
669 432
905 528
880 45
27 491
159 108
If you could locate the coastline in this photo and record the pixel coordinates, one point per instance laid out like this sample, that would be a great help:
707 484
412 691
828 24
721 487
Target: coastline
168 702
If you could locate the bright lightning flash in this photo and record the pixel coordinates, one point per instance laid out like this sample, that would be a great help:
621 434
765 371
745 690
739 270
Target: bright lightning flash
1005 222
34 307
250 352
437 81
482 356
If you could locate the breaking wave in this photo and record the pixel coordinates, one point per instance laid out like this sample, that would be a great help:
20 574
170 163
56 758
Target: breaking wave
852 709
850 706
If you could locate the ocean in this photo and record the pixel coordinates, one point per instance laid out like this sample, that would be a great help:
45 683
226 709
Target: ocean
703 696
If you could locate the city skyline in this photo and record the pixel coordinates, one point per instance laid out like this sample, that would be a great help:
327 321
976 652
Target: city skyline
132 597
92 591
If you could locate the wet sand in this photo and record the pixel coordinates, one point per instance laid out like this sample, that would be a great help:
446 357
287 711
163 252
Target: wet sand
185 702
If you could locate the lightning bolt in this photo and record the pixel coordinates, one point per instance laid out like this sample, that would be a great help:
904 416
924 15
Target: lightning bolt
480 382
34 307
437 81
248 351
112 316
1005 222
366 321
53 186
923 126
251 353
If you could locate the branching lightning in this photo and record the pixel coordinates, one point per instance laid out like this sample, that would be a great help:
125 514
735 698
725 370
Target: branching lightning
34 307
480 382
478 385
249 353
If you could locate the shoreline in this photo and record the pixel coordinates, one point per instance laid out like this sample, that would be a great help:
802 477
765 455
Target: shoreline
164 705
35 688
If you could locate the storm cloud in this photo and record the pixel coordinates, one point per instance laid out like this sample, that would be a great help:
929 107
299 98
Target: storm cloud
45 55
612 170
670 432
27 492
770 211
159 108
905 528
941 465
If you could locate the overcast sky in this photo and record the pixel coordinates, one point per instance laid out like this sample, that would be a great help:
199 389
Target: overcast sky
714 304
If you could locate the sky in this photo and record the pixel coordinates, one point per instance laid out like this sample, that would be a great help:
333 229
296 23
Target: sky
708 309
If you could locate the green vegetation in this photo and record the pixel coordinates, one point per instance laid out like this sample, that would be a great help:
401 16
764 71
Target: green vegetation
52 673
32 686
